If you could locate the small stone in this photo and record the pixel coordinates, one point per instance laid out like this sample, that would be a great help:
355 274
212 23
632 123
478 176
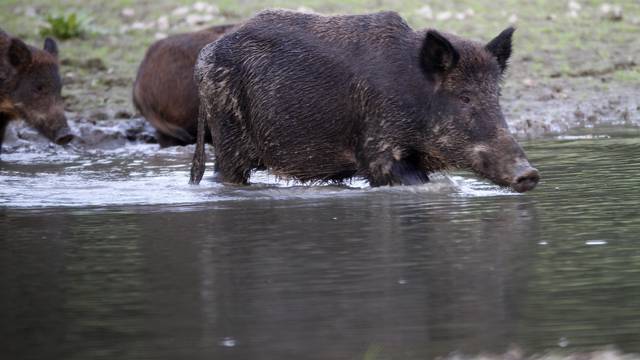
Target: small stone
162 23
181 11
528 82
305 10
128 12
574 6
138 25
443 16
199 6
611 12
425 12
195 19
205 8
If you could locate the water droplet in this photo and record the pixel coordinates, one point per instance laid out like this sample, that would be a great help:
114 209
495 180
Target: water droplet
402 282
563 342
334 218
228 342
596 242
543 243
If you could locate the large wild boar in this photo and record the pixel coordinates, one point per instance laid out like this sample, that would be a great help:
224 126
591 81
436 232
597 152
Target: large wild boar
30 88
319 98
165 92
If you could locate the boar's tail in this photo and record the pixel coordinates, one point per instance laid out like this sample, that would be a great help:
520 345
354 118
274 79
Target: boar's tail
199 157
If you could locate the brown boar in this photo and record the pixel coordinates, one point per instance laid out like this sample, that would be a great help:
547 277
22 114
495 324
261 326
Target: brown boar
30 88
165 92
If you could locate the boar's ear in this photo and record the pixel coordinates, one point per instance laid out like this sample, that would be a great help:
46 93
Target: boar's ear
51 46
19 54
500 47
438 56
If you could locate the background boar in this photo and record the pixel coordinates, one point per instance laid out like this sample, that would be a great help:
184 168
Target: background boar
30 88
165 92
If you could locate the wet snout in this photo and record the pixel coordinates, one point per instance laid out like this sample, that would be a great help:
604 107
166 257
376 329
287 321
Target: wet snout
504 163
526 178
52 124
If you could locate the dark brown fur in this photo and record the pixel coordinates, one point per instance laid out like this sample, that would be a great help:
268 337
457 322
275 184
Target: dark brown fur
164 91
30 88
320 98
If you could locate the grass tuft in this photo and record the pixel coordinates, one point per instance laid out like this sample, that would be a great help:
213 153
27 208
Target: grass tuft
65 26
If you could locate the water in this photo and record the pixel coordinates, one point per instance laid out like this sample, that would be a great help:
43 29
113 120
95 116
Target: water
109 254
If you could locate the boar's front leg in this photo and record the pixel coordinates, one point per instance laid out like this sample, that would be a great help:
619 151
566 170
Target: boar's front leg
389 171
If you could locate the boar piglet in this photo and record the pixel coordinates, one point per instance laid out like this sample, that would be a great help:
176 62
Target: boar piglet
30 88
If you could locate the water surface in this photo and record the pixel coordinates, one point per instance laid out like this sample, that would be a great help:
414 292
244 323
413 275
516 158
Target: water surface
109 254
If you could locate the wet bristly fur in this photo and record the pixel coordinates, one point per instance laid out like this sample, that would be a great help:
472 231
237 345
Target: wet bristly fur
164 91
324 98
30 87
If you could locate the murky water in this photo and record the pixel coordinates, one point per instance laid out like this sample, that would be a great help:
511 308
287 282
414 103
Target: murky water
111 255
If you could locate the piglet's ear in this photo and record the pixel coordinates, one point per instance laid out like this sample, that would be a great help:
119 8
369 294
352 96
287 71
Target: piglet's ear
438 56
19 54
500 47
51 46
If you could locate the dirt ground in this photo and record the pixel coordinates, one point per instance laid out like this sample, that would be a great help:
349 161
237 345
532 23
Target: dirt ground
576 67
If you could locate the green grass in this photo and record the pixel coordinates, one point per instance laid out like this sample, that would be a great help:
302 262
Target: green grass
628 76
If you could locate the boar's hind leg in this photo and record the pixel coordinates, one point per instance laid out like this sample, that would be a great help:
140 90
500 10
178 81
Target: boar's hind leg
3 127
389 171
235 153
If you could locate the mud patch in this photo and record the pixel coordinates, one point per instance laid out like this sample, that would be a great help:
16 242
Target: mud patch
95 134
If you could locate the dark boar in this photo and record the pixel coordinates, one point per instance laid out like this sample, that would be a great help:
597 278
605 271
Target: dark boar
30 88
325 98
165 92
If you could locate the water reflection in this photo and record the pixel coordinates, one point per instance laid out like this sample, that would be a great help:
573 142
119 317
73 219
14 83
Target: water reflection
411 274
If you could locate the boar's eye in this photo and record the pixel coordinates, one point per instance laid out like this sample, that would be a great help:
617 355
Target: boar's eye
40 88
465 99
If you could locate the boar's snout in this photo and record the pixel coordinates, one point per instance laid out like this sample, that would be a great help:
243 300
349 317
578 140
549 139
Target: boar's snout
504 163
526 179
64 136
52 124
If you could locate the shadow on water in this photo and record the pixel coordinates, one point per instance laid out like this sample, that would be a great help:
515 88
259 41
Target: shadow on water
332 273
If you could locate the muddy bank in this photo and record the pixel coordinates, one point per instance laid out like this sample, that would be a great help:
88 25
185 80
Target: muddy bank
533 110
107 133
568 105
